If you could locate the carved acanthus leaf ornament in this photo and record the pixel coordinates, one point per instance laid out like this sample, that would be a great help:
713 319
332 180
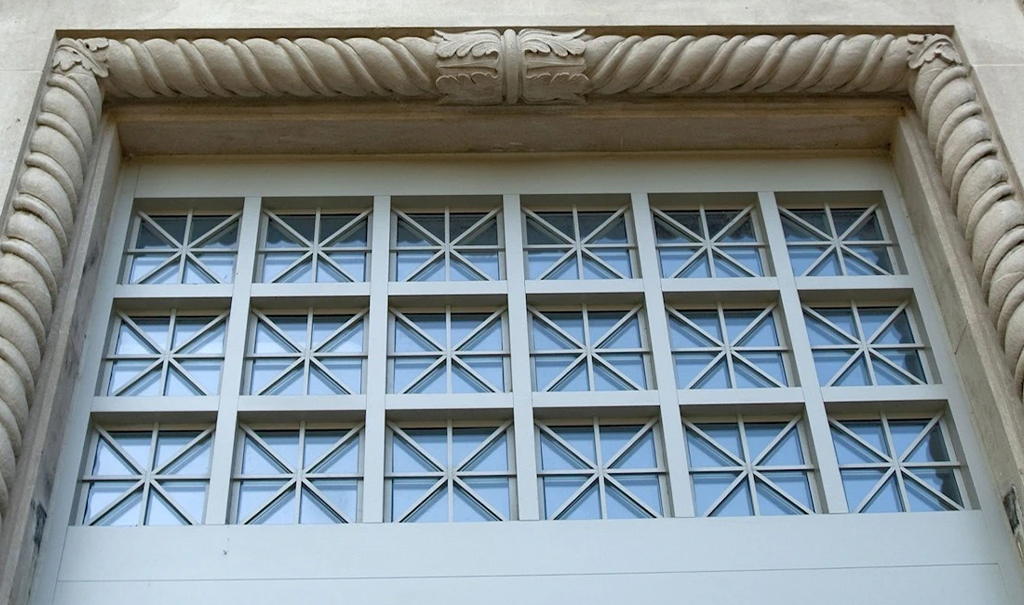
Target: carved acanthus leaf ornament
488 67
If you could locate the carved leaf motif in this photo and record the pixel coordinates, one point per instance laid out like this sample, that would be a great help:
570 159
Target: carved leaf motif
71 53
450 82
476 43
469 67
96 44
927 48
561 44
546 88
473 88
67 58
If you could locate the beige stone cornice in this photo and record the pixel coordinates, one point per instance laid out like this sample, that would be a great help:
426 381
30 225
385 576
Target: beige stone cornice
491 67
481 67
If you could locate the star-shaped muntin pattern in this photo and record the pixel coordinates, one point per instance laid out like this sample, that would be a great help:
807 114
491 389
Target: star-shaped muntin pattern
709 242
177 354
190 248
317 247
447 246
839 241
863 345
575 244
312 353
590 349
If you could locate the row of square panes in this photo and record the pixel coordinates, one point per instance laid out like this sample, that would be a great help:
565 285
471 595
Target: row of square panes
696 236
464 471
316 352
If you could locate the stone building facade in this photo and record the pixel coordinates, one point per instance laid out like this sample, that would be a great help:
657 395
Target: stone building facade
435 197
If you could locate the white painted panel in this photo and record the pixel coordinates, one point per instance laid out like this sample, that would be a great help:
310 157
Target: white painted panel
507 174
950 585
524 548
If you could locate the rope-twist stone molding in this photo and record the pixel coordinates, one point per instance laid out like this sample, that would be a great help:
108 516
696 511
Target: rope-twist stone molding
978 181
257 67
40 223
686 65
481 67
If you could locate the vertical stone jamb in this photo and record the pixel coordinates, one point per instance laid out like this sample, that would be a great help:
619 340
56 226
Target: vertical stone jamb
39 226
986 205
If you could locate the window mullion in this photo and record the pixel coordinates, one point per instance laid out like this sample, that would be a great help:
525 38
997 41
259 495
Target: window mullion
663 363
819 432
234 363
450 468
300 475
377 363
519 364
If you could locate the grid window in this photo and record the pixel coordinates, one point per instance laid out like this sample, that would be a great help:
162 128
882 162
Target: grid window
839 240
447 246
859 345
306 474
313 353
187 248
725 348
589 350
579 244
600 470
147 476
892 463
742 468
321 247
450 473
174 354
709 242
283 367
448 352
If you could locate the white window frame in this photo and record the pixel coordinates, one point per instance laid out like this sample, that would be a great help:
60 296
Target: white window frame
835 241
744 204
165 357
590 347
729 349
185 252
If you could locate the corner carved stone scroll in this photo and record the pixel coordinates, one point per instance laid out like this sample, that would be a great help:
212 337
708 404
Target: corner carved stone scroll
483 67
